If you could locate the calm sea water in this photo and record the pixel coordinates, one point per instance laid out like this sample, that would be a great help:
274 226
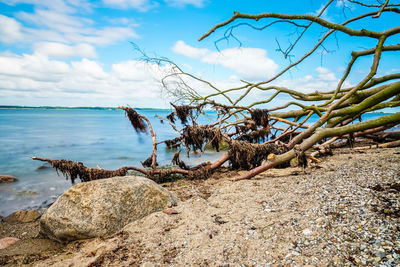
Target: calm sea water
102 138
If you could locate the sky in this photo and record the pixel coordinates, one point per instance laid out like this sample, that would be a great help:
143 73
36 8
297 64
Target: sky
82 53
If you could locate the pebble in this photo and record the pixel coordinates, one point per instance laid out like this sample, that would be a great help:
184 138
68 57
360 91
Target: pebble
148 264
7 241
307 231
377 259
7 179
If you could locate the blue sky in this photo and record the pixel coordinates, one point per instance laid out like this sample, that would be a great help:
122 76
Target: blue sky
78 52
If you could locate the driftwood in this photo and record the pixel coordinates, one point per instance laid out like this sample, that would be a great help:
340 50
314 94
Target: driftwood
74 170
385 145
261 138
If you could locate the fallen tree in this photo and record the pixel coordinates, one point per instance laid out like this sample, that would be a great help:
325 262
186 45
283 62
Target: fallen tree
260 138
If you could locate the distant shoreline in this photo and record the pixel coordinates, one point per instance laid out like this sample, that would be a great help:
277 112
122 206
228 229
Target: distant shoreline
102 108
72 108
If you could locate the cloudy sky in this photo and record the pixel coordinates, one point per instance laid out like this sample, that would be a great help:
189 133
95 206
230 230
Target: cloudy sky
80 52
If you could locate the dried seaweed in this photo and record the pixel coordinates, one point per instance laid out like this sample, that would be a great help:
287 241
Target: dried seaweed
171 117
173 143
178 162
202 173
255 136
147 162
301 156
183 112
244 155
135 119
196 136
260 117
73 170
287 137
351 140
248 126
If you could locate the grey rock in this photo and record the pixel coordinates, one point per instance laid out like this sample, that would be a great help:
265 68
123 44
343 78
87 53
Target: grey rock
102 207
7 179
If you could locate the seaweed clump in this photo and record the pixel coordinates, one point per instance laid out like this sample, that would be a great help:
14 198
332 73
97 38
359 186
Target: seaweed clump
255 136
260 117
178 162
74 170
173 143
247 156
171 117
147 162
195 136
135 119
182 112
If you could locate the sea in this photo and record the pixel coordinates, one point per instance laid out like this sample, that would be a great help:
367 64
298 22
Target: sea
100 138
96 137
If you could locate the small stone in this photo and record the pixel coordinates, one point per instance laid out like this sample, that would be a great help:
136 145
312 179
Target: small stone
377 259
148 264
7 179
170 211
307 231
7 241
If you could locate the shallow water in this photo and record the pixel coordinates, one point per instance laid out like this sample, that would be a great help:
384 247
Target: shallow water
102 138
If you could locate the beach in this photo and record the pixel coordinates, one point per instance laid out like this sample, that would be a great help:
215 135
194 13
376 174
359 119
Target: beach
342 211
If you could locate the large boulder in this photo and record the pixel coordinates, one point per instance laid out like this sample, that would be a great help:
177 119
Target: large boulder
102 207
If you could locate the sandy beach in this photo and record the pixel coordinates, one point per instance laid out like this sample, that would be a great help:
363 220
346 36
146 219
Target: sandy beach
343 211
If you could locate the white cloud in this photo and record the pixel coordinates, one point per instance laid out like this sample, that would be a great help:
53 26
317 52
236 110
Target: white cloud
34 78
89 68
52 19
10 30
183 49
324 80
66 6
33 67
145 5
250 63
60 21
326 75
141 5
58 50
182 3
58 27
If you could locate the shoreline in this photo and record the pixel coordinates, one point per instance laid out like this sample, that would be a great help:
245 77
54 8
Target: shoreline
332 214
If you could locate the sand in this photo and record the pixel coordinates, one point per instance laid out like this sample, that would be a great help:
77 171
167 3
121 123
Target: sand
343 211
